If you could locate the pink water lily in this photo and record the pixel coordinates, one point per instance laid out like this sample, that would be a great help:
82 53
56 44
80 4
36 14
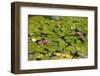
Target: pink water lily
43 42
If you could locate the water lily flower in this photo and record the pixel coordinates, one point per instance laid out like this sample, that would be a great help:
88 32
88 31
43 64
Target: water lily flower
43 42
32 33
59 25
33 39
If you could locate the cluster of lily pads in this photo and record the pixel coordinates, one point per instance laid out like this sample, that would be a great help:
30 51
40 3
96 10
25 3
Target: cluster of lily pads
57 37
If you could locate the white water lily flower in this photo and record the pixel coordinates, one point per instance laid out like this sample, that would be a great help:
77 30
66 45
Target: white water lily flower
33 39
59 25
32 33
